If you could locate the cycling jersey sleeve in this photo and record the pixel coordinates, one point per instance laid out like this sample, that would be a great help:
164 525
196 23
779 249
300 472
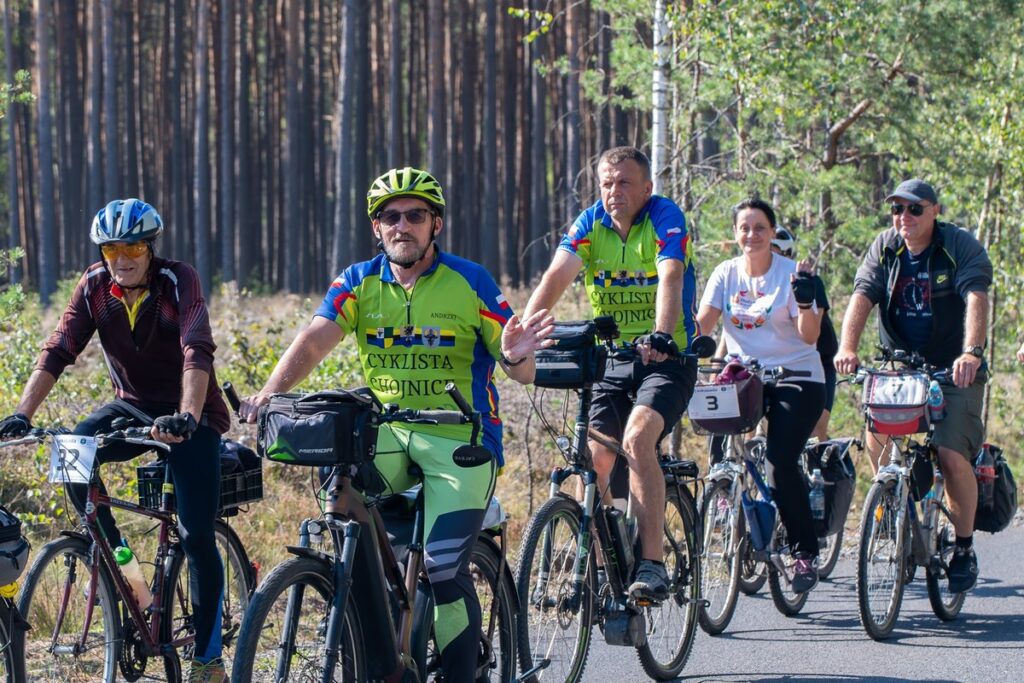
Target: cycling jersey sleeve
73 332
340 304
197 344
577 239
670 227
494 313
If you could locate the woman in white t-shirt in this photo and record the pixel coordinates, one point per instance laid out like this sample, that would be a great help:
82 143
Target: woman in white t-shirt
767 311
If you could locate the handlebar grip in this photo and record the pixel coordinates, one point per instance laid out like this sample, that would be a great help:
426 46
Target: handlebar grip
456 395
442 417
229 392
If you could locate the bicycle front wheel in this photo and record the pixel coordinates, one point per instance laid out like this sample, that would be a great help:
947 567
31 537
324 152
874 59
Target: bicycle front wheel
946 605
880 562
672 625
556 621
69 641
720 558
12 659
284 632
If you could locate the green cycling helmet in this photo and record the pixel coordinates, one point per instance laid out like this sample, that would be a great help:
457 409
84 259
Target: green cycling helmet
404 182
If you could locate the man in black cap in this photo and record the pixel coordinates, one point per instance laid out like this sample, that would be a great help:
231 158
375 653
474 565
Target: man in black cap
931 281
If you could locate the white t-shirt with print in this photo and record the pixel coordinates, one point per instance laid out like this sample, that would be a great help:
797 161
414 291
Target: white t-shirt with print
758 316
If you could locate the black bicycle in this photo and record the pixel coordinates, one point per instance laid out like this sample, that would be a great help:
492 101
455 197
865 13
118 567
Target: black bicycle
362 608
561 598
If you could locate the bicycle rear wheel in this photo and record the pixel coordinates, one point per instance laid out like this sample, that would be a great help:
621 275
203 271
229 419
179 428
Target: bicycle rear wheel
238 586
720 558
946 605
881 562
497 661
832 545
672 625
780 581
65 642
556 621
753 573
283 636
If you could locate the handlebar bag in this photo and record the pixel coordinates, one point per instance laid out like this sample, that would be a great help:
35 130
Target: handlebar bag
997 514
895 402
322 429
575 361
13 547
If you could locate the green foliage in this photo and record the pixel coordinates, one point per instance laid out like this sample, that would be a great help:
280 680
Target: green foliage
19 323
543 20
19 92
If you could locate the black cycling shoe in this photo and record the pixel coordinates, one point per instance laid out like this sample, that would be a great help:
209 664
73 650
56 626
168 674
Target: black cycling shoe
963 570
651 582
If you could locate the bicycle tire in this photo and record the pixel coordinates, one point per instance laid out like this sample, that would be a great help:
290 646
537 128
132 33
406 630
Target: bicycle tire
297 592
880 562
672 625
63 568
753 573
552 540
786 600
720 558
12 658
834 545
946 605
497 656
238 577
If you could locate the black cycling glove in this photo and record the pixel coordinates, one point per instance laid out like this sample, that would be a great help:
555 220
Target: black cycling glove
15 426
661 342
803 288
179 424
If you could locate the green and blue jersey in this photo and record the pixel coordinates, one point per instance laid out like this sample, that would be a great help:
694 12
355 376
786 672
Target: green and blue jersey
446 328
621 276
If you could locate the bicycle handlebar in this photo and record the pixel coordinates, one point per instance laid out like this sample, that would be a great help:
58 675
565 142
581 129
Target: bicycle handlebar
464 415
133 435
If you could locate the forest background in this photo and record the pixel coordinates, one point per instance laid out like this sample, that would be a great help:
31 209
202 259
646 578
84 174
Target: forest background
255 127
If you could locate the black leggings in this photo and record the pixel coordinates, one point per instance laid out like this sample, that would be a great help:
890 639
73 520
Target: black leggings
195 468
792 413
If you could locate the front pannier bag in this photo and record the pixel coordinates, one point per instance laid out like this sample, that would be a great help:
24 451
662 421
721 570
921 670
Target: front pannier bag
322 429
896 402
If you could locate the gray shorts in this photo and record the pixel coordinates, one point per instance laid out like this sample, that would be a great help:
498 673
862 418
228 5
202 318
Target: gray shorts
962 430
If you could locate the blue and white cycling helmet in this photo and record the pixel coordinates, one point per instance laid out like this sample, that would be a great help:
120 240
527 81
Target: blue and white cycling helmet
126 220
785 241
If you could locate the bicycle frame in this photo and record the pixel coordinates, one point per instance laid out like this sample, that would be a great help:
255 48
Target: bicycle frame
101 550
902 452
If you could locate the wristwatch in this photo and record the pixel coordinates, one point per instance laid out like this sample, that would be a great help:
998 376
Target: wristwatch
976 351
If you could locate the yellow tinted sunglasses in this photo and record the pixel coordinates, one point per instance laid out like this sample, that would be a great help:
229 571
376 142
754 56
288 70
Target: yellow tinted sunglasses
130 249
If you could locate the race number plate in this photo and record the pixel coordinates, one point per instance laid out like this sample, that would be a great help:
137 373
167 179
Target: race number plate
71 459
713 401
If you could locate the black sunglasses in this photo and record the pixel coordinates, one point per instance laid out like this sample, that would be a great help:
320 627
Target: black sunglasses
391 217
912 209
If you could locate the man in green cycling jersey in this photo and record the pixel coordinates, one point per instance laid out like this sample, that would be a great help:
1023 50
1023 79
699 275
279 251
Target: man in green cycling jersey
423 318
930 280
638 267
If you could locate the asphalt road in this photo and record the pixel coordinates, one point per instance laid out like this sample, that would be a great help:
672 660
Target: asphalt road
826 642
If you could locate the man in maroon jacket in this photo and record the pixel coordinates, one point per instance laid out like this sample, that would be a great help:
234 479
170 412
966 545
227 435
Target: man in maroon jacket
155 333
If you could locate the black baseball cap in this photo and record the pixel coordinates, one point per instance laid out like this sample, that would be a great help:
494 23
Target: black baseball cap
914 190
